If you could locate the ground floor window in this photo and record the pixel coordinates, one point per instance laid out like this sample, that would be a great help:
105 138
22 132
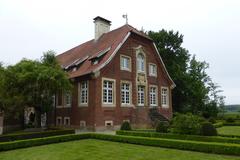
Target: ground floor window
165 97
153 95
59 121
66 121
125 93
141 95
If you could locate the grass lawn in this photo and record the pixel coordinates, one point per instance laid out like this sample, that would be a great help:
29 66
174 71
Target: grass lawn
90 149
229 130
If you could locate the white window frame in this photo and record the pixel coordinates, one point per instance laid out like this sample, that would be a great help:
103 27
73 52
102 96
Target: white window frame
141 95
122 58
86 92
151 67
65 120
113 89
66 94
141 64
109 121
165 103
58 118
151 95
124 93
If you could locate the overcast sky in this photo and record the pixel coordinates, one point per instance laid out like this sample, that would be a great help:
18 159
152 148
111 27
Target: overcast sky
211 29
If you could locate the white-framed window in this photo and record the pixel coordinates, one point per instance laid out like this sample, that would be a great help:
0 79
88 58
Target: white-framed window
67 121
83 93
125 62
108 91
125 93
82 124
152 69
59 121
165 97
153 95
140 63
68 99
141 95
108 123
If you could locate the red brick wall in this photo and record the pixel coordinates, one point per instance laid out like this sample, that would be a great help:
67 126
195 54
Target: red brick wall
95 114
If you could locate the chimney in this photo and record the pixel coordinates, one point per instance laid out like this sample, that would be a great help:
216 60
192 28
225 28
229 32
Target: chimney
101 26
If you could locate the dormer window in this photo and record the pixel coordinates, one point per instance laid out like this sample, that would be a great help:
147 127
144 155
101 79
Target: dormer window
140 63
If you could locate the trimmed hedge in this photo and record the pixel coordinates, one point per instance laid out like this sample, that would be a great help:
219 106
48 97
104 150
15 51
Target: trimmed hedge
209 147
21 136
218 124
180 137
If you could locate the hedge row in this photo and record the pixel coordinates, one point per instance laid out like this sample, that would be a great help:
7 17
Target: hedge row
230 136
209 147
180 137
20 136
231 124
218 124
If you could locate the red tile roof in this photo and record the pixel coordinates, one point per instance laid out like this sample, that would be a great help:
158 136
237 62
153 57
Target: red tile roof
106 45
108 42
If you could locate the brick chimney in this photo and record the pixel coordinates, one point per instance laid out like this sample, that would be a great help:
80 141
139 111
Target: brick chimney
101 26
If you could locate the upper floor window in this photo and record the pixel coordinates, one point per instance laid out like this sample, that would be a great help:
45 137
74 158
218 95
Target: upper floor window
83 92
153 96
152 69
165 97
108 92
140 63
125 63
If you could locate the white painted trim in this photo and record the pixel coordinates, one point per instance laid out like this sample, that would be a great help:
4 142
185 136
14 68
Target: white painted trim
106 122
154 86
168 100
173 84
149 68
80 104
130 63
113 54
106 104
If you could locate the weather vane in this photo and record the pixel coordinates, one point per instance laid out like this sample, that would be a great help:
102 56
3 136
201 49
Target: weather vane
125 16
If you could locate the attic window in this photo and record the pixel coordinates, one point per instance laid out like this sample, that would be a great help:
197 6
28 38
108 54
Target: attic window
76 63
96 57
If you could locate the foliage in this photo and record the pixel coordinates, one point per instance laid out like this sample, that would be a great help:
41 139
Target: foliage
91 149
230 120
218 124
126 126
186 124
195 91
208 129
180 136
32 83
209 147
162 127
20 136
229 131
212 120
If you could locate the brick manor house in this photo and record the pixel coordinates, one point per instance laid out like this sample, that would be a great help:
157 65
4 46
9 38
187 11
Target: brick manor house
117 76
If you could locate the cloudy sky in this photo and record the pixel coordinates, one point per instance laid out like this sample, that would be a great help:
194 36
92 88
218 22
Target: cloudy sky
211 29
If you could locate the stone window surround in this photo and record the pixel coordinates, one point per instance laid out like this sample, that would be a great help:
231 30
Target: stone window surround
130 94
65 120
152 74
130 63
63 96
153 105
79 94
167 97
58 123
104 104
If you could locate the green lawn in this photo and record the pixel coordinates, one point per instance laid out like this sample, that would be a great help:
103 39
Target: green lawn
229 130
103 150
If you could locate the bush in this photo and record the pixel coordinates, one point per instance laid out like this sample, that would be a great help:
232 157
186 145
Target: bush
186 124
209 147
208 129
181 137
20 136
212 120
126 126
230 120
218 124
162 127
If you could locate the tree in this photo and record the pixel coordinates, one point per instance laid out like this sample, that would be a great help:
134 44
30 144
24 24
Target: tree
195 91
32 84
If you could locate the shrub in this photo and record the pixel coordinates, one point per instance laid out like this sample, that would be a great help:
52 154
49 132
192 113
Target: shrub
230 120
218 124
20 136
126 126
212 120
186 124
208 129
181 137
162 127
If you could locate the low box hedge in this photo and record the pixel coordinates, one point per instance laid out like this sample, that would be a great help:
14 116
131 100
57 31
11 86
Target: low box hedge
180 137
209 147
20 136
218 124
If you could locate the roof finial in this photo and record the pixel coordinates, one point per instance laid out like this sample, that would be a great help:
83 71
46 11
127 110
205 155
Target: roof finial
125 16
